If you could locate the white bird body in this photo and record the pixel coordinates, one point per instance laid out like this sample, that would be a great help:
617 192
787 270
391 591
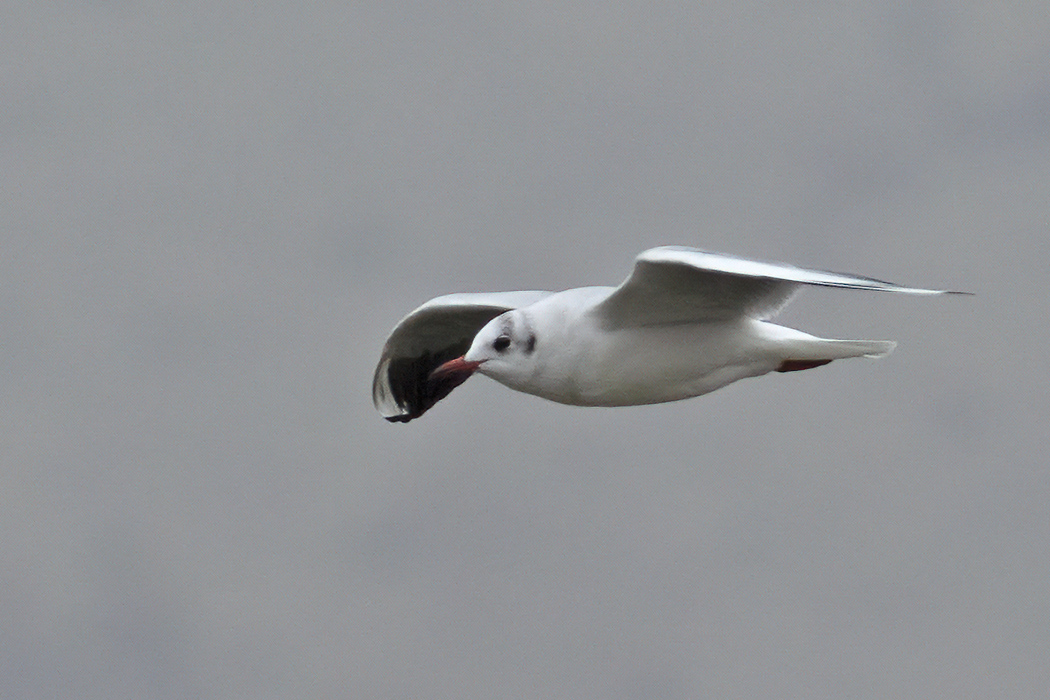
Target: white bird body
681 361
597 367
685 323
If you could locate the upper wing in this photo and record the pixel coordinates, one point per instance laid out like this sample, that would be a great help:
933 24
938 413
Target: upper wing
677 284
439 330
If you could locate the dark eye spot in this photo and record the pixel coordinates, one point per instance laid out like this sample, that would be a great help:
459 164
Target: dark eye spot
530 345
501 343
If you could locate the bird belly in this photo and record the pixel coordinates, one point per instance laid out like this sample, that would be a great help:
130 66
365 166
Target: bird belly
657 364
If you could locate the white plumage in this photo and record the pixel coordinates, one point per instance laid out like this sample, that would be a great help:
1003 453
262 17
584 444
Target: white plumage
684 323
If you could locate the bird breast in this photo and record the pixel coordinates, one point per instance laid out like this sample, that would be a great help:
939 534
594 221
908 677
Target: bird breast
634 366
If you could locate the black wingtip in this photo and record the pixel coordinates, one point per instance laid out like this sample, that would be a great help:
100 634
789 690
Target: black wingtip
413 387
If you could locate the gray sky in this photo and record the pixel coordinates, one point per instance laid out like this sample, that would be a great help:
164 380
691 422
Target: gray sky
213 214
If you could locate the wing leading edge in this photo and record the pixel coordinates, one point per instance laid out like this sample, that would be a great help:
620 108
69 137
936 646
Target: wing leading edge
676 284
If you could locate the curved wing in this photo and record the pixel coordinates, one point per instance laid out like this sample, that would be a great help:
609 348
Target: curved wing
674 284
438 331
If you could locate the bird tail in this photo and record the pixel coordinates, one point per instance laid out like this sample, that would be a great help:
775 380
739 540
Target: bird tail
859 348
821 352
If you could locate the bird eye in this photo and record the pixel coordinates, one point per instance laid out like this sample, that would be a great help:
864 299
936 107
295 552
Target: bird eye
501 343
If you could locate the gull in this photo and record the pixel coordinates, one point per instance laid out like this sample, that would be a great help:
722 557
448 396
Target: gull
684 323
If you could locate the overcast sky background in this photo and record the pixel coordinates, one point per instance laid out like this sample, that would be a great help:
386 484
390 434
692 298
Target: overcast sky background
213 213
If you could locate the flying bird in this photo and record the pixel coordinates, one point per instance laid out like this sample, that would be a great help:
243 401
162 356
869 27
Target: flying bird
684 323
